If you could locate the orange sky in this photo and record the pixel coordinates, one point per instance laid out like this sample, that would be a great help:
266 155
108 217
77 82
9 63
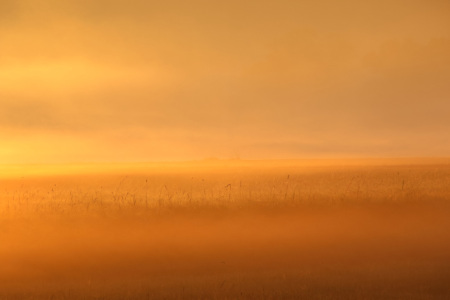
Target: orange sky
140 80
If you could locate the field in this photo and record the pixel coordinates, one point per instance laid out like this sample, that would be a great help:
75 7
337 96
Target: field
304 229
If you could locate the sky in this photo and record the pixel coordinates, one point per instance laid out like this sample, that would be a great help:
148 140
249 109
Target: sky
142 80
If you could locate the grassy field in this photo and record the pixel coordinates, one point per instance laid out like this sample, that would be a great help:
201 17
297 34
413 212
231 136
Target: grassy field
311 229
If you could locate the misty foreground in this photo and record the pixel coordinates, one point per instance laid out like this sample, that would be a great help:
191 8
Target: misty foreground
377 229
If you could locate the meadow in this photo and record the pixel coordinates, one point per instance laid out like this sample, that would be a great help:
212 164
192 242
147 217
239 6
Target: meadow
303 229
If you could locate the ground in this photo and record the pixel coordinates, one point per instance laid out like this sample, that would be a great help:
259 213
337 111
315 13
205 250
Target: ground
366 229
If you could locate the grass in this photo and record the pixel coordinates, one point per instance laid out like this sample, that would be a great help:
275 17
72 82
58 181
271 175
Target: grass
375 229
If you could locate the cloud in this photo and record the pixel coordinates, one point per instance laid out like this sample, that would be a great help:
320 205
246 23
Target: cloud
264 78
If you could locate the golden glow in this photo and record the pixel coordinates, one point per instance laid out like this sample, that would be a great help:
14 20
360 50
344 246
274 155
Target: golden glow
117 80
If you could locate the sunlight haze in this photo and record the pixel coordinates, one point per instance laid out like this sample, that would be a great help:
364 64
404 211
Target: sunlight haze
125 81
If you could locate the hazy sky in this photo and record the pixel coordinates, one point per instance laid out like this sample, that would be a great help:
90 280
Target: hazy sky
143 80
